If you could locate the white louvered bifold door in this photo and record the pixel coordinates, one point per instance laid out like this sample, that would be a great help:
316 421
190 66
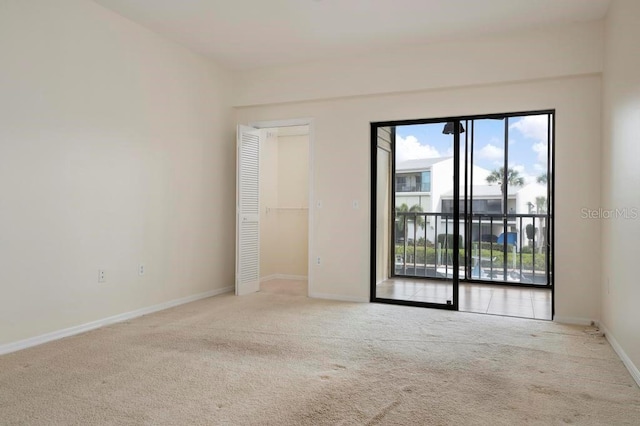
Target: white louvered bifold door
248 211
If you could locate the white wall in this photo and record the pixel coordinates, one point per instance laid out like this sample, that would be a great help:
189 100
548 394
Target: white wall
621 178
342 174
116 148
528 194
441 182
563 51
553 68
268 202
383 210
293 199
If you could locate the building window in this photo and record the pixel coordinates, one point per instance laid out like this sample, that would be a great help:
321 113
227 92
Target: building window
426 181
479 206
413 182
493 206
447 206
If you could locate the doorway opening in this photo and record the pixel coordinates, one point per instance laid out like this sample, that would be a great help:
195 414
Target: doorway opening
273 238
462 213
284 224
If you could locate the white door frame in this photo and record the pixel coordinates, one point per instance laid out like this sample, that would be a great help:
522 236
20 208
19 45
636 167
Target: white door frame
290 123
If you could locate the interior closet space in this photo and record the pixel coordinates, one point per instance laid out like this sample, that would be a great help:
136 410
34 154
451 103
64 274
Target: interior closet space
284 210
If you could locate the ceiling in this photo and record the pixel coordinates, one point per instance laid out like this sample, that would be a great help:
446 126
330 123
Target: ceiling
258 33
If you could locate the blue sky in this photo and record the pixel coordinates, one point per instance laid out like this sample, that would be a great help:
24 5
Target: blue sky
527 144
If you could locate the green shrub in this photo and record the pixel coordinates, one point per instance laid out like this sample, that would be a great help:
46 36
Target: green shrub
447 240
488 246
428 256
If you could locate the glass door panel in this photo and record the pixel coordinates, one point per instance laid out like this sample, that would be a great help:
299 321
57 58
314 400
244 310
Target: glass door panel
417 170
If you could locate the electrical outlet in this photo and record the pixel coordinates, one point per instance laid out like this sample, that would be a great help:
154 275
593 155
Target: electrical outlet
318 260
141 269
102 276
319 204
356 204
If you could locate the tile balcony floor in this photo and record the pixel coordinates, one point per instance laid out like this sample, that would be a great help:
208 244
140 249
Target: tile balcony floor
524 302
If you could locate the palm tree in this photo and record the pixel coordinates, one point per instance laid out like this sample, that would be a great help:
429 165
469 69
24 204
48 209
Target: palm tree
542 178
513 179
404 208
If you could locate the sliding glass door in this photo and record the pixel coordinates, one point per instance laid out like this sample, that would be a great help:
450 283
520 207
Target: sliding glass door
507 197
413 237
461 200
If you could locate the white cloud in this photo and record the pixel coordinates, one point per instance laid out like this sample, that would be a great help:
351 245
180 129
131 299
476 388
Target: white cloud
410 149
491 152
541 168
535 127
540 148
532 126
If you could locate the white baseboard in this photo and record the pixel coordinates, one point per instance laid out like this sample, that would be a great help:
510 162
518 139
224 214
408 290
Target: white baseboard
71 331
574 320
633 369
339 297
283 277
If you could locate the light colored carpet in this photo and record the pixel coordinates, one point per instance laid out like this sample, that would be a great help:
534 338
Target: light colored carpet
290 287
270 359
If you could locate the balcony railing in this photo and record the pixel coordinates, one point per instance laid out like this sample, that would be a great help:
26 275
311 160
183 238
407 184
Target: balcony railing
497 248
